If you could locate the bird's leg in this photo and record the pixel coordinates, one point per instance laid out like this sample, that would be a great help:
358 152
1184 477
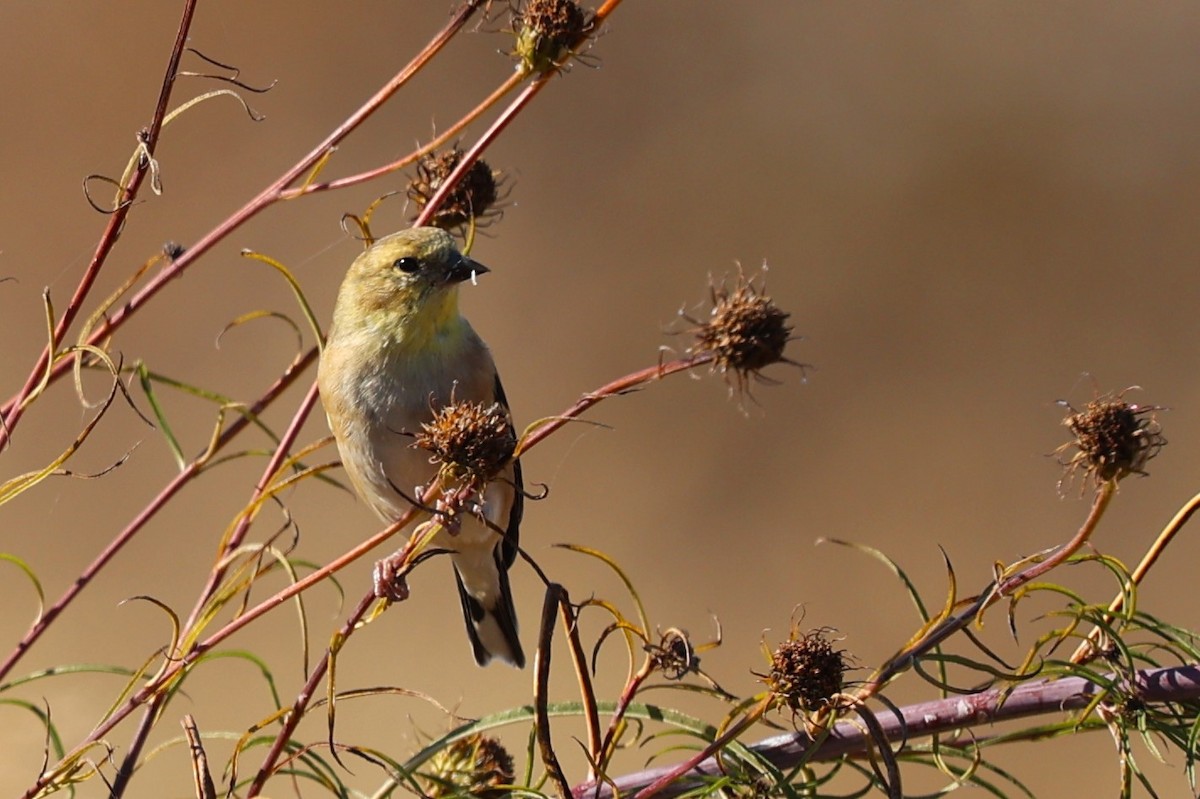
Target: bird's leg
389 577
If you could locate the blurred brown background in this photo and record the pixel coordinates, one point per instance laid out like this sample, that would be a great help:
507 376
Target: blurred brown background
964 206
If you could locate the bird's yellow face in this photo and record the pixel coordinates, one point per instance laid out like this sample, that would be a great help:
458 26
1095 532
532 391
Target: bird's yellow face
405 286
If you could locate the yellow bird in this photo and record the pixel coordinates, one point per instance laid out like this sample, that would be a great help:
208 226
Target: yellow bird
397 351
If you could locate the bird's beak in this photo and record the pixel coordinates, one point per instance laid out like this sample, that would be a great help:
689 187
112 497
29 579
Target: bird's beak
465 269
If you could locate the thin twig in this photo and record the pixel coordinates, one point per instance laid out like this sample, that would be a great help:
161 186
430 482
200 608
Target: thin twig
303 698
267 197
472 155
11 414
1004 588
168 492
353 180
234 540
1085 649
619 386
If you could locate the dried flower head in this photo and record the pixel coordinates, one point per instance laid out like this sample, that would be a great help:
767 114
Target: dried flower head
745 332
469 440
1113 439
806 671
547 32
473 766
674 654
472 199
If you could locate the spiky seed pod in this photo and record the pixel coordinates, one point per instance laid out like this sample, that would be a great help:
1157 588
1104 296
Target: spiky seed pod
1113 439
473 766
546 32
468 440
473 198
806 671
745 331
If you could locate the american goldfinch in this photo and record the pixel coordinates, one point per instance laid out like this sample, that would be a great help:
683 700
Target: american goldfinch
397 351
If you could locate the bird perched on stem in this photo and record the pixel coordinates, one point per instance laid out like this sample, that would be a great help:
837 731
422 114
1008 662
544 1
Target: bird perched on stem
398 351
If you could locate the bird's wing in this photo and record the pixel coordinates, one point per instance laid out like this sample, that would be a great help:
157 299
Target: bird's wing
512 533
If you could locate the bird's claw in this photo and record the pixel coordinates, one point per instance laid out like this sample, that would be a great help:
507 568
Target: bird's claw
449 518
388 579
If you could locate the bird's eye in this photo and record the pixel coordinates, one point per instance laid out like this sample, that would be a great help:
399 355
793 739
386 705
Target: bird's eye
407 264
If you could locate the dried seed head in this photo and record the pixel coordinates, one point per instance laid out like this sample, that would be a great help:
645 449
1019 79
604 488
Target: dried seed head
471 766
473 198
674 654
745 331
761 787
806 672
1113 439
469 441
546 31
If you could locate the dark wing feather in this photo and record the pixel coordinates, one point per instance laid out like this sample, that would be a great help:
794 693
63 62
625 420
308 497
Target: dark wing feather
474 613
512 534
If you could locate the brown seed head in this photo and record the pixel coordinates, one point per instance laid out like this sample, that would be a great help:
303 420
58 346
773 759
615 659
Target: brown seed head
745 331
468 440
547 30
1113 439
806 671
473 198
473 766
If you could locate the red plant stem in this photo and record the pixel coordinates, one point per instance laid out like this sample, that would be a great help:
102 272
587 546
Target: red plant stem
112 231
472 155
672 774
180 480
952 625
362 177
1103 496
185 661
274 192
618 386
134 751
303 698
239 533
1086 648
628 694
150 714
351 624
604 10
451 180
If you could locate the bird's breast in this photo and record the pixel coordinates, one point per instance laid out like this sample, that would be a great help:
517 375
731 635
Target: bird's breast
383 403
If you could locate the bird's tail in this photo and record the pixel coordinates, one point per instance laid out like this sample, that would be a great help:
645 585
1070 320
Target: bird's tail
492 620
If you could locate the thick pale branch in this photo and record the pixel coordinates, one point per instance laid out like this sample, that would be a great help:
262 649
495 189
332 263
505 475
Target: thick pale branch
849 737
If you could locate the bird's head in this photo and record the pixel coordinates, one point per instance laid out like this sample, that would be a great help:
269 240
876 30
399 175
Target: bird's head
406 281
